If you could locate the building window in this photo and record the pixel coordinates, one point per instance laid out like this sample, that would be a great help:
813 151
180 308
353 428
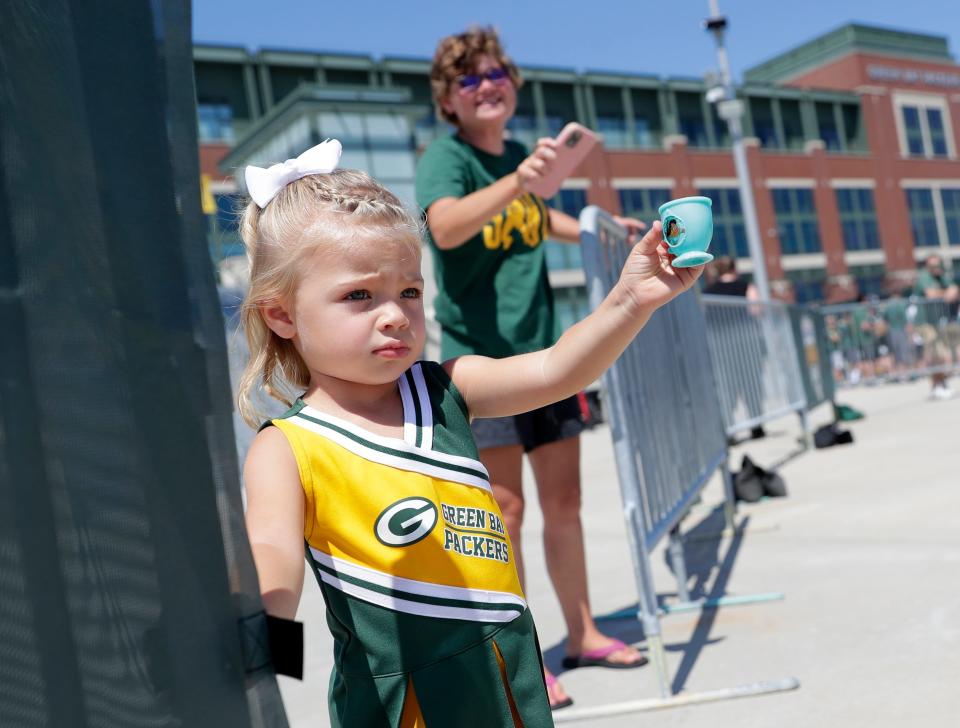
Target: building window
792 123
729 233
796 221
827 124
923 218
852 128
924 126
523 124
951 214
807 284
611 122
559 106
215 122
858 218
764 127
869 279
564 256
647 128
643 204
690 118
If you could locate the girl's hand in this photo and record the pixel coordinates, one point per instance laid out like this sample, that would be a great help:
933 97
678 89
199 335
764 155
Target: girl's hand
538 164
648 279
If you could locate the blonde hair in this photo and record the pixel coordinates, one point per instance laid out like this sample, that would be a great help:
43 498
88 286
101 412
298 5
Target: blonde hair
457 55
312 213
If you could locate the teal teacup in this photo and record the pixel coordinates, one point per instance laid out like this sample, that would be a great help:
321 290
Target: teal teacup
688 229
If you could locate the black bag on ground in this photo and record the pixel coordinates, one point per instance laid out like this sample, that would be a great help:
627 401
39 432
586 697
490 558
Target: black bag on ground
753 482
831 434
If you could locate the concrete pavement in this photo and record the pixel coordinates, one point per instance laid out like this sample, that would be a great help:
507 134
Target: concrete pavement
866 549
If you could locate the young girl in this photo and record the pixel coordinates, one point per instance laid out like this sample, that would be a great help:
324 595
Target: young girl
374 467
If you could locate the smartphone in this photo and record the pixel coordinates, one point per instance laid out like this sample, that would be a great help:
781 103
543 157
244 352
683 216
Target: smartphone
574 143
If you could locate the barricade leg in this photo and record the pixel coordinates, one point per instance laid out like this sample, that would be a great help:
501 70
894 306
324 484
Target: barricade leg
806 439
678 564
730 497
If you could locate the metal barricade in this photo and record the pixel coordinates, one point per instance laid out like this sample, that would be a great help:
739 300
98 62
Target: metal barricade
755 361
668 438
891 340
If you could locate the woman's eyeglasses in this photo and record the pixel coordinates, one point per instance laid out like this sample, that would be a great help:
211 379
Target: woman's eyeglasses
470 82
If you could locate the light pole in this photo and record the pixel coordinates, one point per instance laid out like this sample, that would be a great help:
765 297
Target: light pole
730 109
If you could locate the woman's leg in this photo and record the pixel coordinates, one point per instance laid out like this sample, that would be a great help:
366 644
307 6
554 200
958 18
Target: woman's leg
556 467
505 466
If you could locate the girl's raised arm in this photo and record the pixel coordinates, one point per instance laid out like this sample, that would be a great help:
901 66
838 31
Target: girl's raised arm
275 519
503 387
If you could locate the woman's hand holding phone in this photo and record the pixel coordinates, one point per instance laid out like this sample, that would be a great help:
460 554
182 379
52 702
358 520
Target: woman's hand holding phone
539 165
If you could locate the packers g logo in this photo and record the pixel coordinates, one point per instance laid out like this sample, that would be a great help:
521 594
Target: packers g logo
406 522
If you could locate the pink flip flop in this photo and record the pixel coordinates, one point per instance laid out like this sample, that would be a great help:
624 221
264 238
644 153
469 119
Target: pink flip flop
551 684
598 658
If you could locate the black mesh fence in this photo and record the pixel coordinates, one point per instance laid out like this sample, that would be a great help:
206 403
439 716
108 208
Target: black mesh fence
127 592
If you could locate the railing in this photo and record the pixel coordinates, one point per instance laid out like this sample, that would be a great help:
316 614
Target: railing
890 340
754 359
669 440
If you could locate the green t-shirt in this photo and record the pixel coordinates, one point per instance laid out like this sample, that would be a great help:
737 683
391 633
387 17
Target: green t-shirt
895 313
926 279
494 296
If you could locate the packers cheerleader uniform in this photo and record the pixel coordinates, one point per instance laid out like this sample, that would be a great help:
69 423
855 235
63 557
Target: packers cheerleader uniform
410 551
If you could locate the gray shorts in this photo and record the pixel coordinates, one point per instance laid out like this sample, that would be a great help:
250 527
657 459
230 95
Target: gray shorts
552 423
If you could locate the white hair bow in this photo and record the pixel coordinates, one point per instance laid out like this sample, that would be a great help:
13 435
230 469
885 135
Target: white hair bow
264 184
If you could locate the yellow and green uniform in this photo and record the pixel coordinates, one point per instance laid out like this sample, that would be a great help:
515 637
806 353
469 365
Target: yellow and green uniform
408 545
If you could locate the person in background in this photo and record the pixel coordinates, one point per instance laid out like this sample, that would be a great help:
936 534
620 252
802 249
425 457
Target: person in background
486 231
899 331
934 286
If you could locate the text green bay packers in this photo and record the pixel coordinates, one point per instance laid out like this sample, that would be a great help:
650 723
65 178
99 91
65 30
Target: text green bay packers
474 532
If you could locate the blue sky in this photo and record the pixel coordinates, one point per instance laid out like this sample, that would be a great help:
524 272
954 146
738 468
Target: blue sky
663 38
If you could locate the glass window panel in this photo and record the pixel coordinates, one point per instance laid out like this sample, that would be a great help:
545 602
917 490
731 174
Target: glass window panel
646 113
938 139
781 201
828 125
858 219
559 106
388 128
914 134
347 77
690 118
852 126
215 122
844 200
851 236
611 122
810 232
392 163
222 83
285 79
796 220
729 233
354 157
951 213
761 111
656 197
792 123
732 197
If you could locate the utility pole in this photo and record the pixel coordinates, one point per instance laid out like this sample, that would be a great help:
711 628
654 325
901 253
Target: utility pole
730 109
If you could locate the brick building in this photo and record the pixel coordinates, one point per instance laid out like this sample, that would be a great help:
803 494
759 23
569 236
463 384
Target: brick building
852 147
